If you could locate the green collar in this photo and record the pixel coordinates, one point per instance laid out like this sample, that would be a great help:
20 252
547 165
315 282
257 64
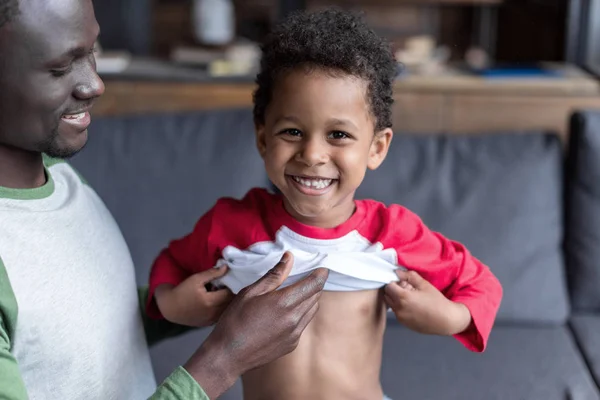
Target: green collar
30 194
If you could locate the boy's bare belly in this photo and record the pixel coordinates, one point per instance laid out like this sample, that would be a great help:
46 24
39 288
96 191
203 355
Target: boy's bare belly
338 357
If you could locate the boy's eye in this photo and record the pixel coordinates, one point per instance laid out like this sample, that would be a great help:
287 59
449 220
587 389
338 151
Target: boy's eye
337 135
292 132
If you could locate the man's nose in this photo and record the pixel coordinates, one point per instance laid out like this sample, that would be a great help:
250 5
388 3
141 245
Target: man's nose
90 86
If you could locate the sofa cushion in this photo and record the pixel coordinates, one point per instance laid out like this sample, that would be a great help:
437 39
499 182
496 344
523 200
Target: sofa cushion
586 329
582 228
158 174
520 363
500 195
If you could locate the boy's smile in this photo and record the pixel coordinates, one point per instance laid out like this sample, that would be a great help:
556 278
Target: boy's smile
312 185
317 142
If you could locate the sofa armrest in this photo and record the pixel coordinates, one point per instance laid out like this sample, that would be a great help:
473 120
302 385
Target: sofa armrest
585 328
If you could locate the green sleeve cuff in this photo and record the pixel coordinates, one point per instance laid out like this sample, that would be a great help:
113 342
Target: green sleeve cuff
11 383
179 386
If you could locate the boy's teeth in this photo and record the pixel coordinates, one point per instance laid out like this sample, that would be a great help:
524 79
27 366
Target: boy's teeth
313 183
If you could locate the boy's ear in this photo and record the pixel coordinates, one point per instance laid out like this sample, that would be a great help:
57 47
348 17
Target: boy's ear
379 147
261 144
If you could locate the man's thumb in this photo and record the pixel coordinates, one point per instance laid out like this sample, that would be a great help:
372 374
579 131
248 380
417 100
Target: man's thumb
275 277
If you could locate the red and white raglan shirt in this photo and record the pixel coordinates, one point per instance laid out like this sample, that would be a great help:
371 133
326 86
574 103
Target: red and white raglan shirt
251 235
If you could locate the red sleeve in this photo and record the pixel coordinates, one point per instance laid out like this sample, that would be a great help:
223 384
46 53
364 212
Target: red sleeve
182 258
230 222
450 267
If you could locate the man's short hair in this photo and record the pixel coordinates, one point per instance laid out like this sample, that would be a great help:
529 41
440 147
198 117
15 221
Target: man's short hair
8 10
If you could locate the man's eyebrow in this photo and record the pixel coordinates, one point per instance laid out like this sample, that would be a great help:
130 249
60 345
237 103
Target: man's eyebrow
77 52
82 51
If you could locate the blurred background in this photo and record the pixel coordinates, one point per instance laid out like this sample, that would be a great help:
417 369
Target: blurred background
491 95
468 65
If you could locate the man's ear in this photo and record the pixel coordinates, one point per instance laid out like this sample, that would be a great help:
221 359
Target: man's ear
261 143
379 147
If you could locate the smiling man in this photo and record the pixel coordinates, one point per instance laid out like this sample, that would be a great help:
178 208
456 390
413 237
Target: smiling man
70 321
49 82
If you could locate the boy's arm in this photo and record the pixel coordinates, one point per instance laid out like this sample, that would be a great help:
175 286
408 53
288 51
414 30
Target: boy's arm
157 329
450 268
181 259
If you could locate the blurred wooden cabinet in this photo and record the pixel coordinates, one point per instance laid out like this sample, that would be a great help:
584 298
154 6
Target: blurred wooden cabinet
456 103
452 103
479 114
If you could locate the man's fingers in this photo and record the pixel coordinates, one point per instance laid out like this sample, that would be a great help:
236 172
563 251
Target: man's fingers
274 278
309 303
307 317
320 276
306 288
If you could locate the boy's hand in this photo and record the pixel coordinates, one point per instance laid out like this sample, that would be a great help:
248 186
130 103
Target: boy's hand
191 303
422 308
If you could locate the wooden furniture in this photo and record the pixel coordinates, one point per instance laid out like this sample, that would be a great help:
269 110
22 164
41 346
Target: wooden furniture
450 102
457 103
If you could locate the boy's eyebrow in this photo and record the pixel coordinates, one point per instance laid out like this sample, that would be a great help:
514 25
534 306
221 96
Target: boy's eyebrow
289 118
330 122
342 121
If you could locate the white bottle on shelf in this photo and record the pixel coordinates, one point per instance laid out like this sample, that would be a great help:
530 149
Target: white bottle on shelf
214 21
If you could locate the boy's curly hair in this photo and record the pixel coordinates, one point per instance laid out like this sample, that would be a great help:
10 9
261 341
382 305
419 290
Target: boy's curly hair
8 9
333 40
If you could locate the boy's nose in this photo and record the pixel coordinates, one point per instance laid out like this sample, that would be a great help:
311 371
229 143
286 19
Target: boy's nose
313 152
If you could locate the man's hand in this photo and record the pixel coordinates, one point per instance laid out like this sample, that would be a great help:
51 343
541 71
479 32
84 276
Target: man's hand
422 308
260 325
190 303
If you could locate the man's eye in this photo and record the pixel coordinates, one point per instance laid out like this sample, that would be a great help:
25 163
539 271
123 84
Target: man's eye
58 72
337 135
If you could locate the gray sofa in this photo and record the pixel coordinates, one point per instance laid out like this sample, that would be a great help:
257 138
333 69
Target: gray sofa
510 197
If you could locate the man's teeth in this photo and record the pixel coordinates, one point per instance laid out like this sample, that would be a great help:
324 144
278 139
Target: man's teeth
313 183
74 116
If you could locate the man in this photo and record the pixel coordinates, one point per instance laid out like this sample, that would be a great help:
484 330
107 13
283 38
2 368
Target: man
70 323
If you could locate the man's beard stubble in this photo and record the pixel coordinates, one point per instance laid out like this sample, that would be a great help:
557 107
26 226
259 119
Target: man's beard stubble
52 148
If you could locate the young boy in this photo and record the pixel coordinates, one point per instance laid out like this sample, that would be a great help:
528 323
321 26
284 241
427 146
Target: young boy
323 116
